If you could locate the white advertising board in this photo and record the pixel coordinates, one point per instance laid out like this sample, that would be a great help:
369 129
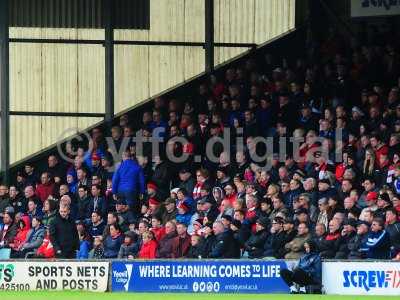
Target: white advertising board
372 8
361 278
58 275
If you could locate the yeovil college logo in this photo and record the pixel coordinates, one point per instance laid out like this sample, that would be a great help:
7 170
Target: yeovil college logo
122 274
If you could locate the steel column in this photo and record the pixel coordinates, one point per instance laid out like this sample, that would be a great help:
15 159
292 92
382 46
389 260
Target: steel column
4 91
109 60
209 35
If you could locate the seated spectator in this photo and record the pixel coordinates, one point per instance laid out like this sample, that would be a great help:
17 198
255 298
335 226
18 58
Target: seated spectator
225 245
96 226
33 210
84 241
45 188
50 212
34 238
195 250
149 246
156 227
170 211
181 243
125 215
165 244
347 236
46 249
208 239
98 250
354 245
24 225
112 243
183 215
130 248
275 243
295 246
307 272
330 245
377 245
393 229
255 244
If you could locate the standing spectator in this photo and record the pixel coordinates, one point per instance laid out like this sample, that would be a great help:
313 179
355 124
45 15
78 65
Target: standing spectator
63 234
97 202
128 182
8 230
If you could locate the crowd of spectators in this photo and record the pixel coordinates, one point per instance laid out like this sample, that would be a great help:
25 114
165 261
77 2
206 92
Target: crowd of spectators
338 192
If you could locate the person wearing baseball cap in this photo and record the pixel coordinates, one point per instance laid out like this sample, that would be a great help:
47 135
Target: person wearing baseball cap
347 235
370 200
255 244
383 203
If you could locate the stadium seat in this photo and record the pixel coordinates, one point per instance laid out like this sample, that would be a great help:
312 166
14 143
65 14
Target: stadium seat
5 253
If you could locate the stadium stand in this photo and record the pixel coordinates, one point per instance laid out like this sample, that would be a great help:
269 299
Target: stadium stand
338 189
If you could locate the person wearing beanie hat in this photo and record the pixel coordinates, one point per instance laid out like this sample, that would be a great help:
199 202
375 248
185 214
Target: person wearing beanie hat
383 203
255 244
130 248
183 215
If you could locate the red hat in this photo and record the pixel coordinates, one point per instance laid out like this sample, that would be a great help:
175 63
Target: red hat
372 196
188 148
95 156
151 185
184 206
153 201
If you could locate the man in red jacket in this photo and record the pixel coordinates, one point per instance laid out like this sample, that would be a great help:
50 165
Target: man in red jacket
181 244
46 188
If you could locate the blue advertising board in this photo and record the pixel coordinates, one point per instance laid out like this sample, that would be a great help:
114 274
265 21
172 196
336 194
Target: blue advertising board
202 276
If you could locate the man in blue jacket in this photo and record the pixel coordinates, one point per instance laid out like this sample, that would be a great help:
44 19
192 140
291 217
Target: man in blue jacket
128 182
307 272
378 244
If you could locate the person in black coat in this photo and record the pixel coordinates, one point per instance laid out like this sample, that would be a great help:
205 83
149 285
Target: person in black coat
255 244
196 247
208 239
348 233
162 177
63 234
275 244
97 202
359 239
225 245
